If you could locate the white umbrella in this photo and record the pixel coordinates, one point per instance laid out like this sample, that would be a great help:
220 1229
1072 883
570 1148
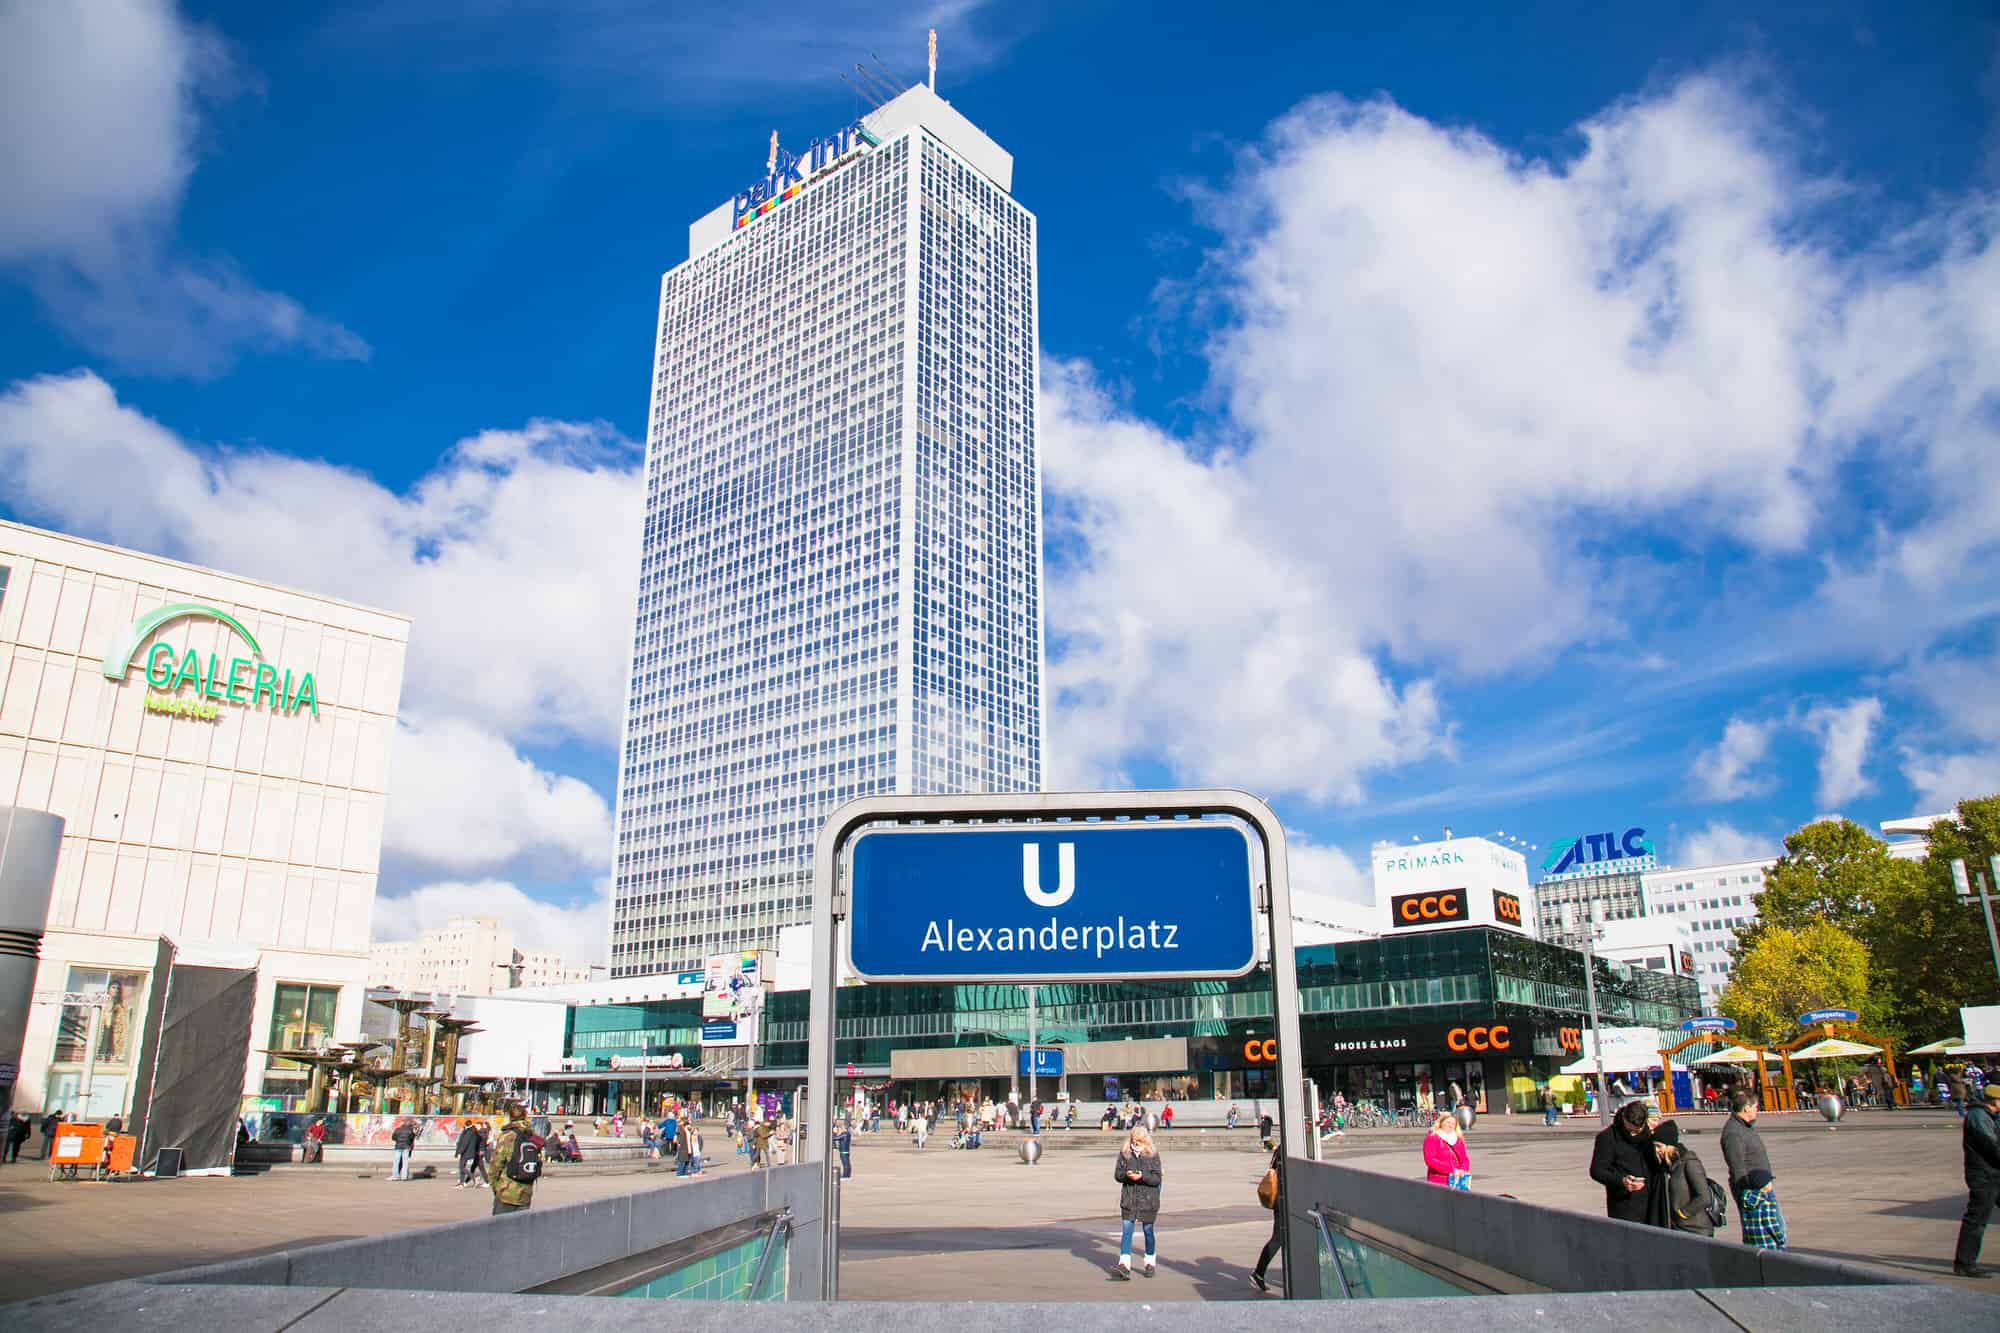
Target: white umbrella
1732 1055
1942 1046
1832 1047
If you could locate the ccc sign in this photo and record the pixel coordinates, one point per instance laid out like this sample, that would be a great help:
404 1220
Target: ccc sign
1427 909
1495 1038
1507 908
1570 1039
1261 1050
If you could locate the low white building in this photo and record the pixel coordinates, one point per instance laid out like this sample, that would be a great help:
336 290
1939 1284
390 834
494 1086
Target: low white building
1910 837
1652 943
1714 902
468 955
218 748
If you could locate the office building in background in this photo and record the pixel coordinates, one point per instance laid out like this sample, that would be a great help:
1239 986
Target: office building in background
1715 902
840 591
467 955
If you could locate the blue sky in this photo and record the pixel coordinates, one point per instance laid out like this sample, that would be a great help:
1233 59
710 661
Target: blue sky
1529 423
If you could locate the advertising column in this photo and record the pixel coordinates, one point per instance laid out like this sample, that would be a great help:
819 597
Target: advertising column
29 841
732 1008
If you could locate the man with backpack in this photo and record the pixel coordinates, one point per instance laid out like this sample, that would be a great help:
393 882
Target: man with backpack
517 1162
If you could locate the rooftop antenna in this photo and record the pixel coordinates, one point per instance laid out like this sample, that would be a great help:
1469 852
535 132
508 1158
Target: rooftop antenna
873 79
897 79
771 163
862 93
933 59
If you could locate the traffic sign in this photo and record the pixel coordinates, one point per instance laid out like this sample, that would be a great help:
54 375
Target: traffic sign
1129 899
1708 1024
1048 1062
1828 1016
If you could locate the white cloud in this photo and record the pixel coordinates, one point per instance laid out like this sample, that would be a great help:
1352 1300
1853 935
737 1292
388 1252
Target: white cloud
1720 844
1844 734
1476 406
1723 771
1321 872
1188 634
578 931
99 117
461 799
514 556
1941 781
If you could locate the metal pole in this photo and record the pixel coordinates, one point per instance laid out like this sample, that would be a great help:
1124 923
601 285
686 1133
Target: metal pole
1590 999
1986 902
1031 1051
645 1059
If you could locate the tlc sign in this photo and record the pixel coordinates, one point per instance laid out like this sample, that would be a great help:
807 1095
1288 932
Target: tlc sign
1590 849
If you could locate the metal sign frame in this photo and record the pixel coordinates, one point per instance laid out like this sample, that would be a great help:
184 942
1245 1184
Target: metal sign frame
830 913
1032 977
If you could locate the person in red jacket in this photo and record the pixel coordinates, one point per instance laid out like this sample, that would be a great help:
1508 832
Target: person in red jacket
1445 1159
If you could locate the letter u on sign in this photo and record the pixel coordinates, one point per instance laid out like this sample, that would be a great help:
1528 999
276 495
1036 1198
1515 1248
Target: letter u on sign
1031 874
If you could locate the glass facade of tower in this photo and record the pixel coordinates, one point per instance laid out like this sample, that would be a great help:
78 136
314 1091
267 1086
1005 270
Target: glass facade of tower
841 579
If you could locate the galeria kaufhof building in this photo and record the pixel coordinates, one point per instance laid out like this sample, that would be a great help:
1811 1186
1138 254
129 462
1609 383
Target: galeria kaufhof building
1385 1021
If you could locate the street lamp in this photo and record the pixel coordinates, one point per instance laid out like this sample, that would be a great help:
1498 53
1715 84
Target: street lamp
1965 890
1589 933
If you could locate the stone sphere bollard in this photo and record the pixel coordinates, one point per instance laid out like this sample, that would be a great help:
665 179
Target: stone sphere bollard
1831 1107
1031 1150
1466 1115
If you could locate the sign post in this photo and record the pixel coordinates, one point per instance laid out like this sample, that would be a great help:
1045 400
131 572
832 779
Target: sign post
1089 886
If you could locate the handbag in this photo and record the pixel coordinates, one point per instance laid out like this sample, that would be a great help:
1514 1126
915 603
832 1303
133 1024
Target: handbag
1460 1180
1267 1188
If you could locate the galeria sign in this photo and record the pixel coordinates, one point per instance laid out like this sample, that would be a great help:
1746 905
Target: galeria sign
250 681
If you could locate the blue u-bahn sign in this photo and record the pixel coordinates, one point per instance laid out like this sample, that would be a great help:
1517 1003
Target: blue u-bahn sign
1711 1023
1137 899
1048 1062
1828 1016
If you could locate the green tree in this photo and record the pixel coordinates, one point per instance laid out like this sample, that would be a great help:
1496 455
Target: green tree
1831 871
1788 972
1928 947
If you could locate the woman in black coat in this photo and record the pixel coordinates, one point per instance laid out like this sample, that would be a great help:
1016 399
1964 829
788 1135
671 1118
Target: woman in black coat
1623 1162
1138 1177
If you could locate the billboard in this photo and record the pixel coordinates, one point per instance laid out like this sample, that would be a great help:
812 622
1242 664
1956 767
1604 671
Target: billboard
732 998
1451 884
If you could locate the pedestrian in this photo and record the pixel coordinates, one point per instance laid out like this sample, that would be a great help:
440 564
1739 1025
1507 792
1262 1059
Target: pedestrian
1621 1161
467 1151
1069 1113
517 1162
1264 1130
760 1144
404 1140
843 1141
1230 1119
1138 1177
1981 1140
1686 1191
19 1127
315 1144
50 1123
1167 1116
920 1131
1445 1160
1763 1223
1744 1152
1271 1193
484 1153
1549 1105
1035 1117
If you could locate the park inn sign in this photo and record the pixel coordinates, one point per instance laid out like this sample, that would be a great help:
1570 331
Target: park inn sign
250 681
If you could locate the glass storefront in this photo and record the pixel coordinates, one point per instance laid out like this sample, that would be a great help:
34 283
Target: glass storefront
90 1068
301 1019
1377 1018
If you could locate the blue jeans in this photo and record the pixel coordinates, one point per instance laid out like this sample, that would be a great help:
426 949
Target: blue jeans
401 1171
683 1166
1034 1124
1548 1115
1125 1239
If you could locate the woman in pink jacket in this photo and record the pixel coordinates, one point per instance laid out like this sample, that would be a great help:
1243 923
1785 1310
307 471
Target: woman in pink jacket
1445 1159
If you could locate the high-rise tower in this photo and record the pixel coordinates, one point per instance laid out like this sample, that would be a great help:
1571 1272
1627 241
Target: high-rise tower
841 588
